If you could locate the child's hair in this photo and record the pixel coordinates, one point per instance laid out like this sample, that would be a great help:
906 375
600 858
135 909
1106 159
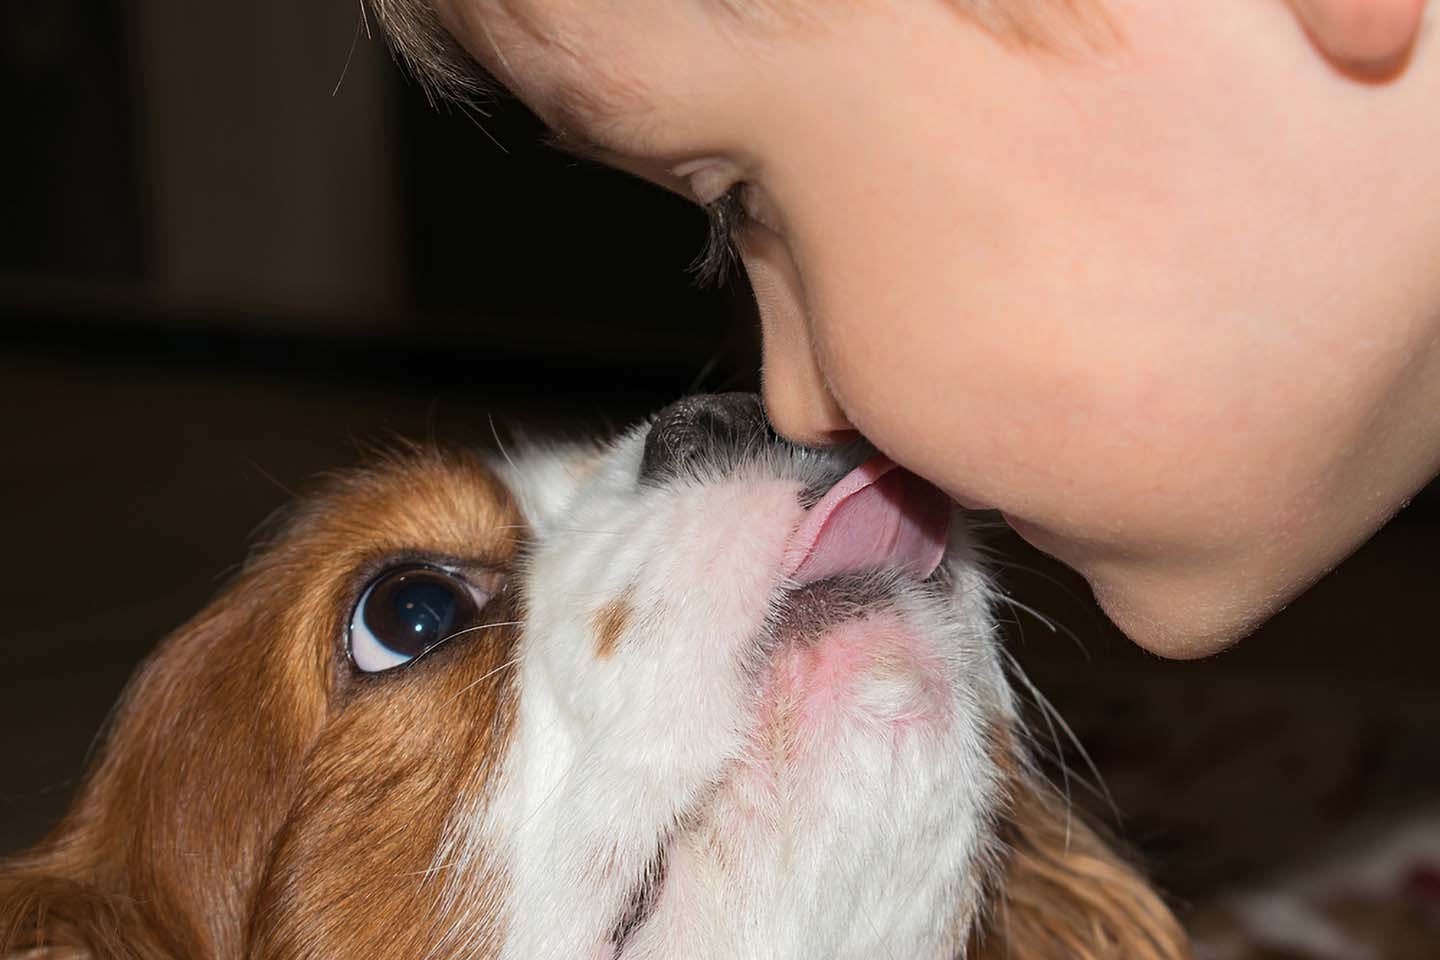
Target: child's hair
441 66
448 74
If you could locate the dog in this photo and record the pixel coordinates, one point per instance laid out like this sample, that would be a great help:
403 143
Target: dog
691 693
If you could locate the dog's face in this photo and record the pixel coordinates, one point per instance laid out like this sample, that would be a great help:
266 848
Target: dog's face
694 693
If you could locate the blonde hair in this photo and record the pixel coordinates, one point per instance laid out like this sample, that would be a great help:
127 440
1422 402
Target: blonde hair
447 73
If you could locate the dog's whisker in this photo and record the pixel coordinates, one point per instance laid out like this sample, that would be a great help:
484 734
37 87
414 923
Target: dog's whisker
999 564
479 680
705 370
499 444
1053 719
1053 626
477 627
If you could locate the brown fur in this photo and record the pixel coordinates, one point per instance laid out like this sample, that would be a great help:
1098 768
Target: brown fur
1062 892
244 755
610 623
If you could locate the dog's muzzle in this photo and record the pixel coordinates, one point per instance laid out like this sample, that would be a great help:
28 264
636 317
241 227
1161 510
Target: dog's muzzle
701 431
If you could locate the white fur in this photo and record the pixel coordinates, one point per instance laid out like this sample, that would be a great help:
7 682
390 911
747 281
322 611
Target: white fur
862 835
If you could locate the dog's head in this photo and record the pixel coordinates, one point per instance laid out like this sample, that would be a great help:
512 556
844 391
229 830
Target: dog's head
694 693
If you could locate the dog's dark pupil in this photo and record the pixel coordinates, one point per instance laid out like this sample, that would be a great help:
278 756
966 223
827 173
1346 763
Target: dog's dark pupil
410 612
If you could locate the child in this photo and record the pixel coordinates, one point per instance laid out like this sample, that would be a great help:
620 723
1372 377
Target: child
1160 281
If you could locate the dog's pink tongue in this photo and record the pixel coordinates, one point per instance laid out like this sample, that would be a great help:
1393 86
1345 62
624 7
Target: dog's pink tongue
877 517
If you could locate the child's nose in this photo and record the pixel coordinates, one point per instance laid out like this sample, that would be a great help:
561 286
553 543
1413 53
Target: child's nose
798 401
801 408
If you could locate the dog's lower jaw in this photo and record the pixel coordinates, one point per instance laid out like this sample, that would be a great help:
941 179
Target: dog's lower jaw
850 822
839 893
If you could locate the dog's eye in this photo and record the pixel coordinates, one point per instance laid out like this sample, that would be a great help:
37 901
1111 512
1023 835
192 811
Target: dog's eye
406 612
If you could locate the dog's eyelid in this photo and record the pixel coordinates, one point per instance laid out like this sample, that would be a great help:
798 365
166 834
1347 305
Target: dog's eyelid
490 578
481 569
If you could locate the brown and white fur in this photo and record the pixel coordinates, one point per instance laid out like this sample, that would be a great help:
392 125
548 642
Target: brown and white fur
651 744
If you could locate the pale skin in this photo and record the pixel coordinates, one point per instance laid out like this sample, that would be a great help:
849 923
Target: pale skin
1167 295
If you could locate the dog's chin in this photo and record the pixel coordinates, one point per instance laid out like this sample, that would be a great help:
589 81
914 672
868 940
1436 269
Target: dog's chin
806 615
841 792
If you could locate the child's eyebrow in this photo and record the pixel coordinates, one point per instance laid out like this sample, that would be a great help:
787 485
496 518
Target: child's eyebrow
592 124
571 138
568 141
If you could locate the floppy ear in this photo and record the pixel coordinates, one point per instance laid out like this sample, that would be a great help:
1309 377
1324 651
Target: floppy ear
44 916
1062 892
162 850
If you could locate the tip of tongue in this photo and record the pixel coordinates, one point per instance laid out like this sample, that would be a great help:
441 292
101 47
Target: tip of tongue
878 517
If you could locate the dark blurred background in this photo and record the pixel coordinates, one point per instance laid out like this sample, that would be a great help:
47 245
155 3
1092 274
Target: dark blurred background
237 247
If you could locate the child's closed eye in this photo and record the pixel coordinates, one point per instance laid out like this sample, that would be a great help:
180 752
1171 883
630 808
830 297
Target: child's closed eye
728 220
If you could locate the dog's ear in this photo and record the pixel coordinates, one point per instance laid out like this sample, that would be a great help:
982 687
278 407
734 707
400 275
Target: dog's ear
163 848
1063 892
44 916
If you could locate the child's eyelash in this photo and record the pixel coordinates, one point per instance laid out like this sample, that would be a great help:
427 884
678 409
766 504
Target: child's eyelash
727 219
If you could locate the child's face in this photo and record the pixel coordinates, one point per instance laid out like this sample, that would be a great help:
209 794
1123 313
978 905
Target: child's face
1163 303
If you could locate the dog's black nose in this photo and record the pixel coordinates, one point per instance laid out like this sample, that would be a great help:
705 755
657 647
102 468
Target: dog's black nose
700 431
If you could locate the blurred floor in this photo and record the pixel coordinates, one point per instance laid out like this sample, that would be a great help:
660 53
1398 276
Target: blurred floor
131 490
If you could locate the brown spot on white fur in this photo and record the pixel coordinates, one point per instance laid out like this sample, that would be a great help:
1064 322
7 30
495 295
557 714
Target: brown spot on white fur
610 622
